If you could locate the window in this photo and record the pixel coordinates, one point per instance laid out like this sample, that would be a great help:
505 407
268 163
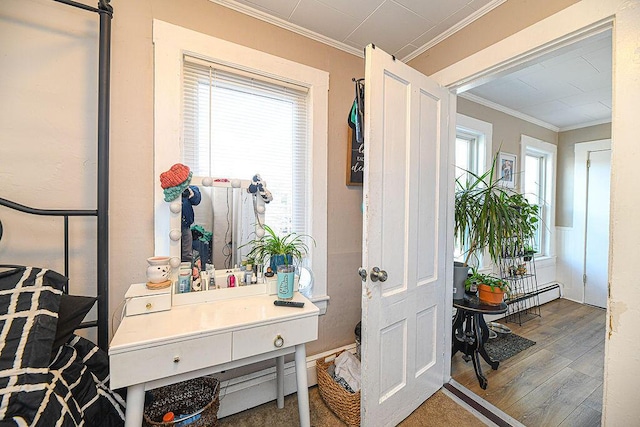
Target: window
537 185
237 124
472 152
243 76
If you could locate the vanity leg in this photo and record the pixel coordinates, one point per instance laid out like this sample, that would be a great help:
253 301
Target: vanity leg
303 388
135 405
280 380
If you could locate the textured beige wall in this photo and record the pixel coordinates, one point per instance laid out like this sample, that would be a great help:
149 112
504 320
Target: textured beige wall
132 142
566 158
505 20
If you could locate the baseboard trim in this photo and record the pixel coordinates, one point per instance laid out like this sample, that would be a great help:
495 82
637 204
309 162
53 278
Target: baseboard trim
251 390
490 414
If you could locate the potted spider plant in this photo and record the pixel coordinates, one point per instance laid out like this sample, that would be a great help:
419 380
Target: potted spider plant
278 250
489 217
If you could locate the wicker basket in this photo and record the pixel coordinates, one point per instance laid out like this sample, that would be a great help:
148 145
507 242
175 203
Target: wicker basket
198 397
344 404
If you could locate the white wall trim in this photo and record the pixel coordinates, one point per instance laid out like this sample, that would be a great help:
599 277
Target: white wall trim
586 125
171 42
506 110
576 22
482 129
550 152
251 390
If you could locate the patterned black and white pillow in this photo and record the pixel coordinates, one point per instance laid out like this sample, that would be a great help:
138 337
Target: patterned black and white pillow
29 301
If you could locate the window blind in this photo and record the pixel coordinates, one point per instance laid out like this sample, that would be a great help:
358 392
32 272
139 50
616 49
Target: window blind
237 124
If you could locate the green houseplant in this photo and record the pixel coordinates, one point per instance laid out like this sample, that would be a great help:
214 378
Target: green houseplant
278 250
489 216
491 289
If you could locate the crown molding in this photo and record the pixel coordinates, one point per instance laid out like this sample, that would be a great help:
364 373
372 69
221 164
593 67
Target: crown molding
509 111
460 25
264 16
585 125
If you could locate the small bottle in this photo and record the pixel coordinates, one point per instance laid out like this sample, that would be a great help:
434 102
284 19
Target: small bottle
260 272
248 272
254 279
231 280
184 278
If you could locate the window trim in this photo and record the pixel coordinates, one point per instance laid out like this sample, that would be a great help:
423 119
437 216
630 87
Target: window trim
171 42
483 132
530 145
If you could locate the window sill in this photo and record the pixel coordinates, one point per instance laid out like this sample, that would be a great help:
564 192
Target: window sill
321 302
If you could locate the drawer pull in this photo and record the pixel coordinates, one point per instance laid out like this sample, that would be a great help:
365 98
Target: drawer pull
149 305
279 341
176 359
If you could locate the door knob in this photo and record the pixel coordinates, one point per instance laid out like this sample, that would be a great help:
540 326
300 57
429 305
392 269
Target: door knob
377 274
363 274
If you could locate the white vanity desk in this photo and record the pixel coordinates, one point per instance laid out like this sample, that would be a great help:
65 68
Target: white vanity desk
189 341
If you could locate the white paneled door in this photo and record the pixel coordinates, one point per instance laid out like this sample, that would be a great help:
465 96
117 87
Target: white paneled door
407 132
596 248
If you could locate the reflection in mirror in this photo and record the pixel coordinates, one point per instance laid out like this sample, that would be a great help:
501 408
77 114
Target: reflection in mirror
225 219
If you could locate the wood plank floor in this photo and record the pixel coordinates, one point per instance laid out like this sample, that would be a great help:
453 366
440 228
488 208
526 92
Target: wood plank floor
556 382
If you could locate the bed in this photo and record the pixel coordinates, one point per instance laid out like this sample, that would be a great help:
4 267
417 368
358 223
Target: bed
48 374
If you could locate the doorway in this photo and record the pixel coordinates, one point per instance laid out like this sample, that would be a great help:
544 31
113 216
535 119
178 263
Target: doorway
599 174
592 181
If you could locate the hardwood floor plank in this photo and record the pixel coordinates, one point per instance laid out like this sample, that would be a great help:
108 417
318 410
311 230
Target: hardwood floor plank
594 401
592 362
582 416
554 400
509 385
569 354
579 341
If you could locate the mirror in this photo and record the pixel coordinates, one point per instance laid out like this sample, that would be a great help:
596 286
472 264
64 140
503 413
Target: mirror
224 221
225 216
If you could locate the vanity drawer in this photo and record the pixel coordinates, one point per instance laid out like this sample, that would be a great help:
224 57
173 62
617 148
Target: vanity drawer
261 339
174 358
148 304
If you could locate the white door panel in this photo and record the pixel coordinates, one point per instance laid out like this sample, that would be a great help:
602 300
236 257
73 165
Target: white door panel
405 232
596 267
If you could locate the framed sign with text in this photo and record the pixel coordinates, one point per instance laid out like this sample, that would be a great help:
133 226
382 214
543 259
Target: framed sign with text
355 160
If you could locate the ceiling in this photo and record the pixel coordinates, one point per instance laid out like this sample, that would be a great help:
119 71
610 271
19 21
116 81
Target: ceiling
570 90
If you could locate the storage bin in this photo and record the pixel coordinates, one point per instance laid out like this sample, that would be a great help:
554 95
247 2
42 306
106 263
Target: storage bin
195 403
344 404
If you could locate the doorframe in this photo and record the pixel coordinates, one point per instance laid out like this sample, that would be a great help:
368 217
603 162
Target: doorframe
580 20
582 149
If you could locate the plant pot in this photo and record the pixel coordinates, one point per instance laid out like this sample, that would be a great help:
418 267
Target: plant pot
489 296
276 260
460 274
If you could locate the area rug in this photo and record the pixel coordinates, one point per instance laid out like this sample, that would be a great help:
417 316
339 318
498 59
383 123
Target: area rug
505 346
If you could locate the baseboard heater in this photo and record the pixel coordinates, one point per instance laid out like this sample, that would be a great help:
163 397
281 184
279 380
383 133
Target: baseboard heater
534 293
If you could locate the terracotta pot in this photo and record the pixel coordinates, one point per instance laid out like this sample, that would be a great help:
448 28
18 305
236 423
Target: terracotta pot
488 296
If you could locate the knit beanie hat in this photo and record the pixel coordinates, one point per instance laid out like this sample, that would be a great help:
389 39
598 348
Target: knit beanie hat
175 181
176 175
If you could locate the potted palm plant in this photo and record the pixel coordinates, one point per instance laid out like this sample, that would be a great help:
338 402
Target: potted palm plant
489 217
